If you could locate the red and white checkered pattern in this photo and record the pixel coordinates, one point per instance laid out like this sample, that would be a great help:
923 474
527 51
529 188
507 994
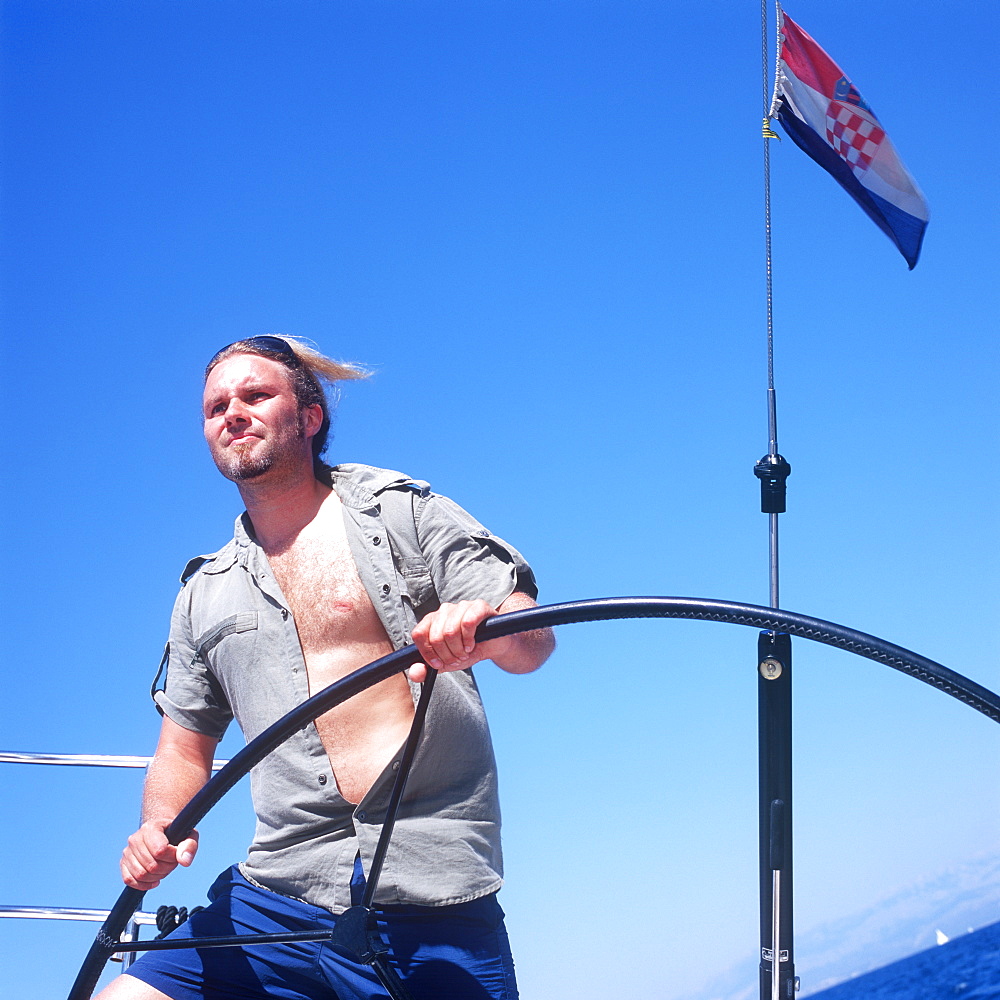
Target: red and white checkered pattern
854 135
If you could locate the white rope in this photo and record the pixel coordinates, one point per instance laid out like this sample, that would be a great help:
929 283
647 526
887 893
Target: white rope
767 213
779 18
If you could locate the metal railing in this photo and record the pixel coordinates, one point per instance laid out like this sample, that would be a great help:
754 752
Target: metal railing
85 760
76 913
68 913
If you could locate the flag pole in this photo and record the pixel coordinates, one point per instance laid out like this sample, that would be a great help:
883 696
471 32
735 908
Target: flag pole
774 652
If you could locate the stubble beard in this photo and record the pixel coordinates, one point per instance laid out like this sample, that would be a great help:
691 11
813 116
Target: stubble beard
240 463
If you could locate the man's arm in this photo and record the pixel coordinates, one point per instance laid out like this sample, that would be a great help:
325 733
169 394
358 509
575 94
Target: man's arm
446 639
182 764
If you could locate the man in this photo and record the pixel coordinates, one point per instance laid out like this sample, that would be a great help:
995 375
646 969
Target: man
330 569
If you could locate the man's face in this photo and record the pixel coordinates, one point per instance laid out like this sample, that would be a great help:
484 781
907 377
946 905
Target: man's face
253 423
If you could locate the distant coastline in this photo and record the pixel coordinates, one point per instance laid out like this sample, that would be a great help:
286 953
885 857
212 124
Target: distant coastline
968 966
963 902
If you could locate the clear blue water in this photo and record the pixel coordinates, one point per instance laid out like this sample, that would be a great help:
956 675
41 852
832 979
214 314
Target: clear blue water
967 968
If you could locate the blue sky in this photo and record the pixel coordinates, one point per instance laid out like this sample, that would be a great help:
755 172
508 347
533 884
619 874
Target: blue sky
540 223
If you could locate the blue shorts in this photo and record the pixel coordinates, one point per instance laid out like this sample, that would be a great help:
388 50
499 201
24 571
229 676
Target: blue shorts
457 952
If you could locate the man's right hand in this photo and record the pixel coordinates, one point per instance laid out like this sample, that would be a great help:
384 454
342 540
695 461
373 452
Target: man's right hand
150 857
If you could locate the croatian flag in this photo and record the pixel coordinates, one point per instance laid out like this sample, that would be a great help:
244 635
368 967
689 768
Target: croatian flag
824 114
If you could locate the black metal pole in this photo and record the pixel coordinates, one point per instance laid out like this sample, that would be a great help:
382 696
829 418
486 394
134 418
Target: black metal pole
774 750
774 735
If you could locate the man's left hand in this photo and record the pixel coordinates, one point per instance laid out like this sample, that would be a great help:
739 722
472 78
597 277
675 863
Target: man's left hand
446 638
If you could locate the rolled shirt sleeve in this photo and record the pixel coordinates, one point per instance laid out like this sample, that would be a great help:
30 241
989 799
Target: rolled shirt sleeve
185 690
466 561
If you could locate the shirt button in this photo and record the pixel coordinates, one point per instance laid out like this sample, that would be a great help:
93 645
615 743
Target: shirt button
322 779
395 765
361 815
376 540
284 614
386 588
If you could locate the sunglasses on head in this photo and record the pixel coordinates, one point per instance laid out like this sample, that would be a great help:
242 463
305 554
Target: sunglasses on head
274 344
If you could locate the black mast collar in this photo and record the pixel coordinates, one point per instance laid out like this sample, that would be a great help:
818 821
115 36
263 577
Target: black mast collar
772 471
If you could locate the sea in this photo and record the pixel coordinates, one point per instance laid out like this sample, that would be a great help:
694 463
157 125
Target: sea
965 968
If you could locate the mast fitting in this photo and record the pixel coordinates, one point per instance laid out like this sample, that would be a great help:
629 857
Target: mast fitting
772 471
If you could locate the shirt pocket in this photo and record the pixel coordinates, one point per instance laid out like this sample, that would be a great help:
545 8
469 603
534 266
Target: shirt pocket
227 650
243 621
229 656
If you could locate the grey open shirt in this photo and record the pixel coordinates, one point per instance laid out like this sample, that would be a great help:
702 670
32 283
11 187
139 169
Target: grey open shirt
234 651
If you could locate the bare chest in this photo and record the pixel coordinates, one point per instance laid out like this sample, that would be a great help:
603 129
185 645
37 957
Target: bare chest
339 631
319 579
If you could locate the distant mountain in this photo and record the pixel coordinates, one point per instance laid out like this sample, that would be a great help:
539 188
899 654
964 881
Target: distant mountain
967 968
963 898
